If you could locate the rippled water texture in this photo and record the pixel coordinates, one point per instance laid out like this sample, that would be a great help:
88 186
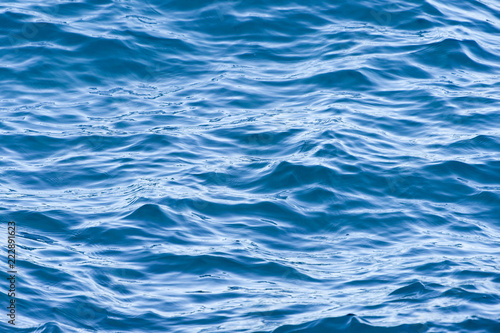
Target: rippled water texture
252 166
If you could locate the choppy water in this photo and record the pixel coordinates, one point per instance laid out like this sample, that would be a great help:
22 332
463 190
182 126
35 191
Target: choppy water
252 166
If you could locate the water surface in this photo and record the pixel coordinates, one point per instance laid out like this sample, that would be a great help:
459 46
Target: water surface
252 166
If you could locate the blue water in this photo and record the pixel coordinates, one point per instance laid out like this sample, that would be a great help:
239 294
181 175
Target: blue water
251 166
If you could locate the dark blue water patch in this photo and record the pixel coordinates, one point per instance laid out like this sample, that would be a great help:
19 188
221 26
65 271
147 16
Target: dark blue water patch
350 323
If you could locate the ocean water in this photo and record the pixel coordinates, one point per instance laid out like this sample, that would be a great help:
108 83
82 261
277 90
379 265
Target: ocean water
251 166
